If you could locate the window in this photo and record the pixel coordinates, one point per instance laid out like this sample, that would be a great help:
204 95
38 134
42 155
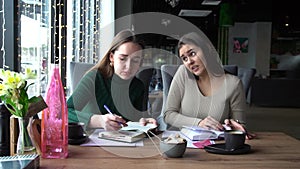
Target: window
35 50
35 35
85 22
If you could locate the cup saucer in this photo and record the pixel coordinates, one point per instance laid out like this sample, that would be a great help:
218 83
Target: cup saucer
78 141
220 149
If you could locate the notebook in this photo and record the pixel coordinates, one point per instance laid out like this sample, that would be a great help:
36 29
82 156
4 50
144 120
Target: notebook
133 132
27 161
124 136
196 133
136 126
95 140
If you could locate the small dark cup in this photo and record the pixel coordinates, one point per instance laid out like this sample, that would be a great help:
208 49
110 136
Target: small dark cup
76 130
234 139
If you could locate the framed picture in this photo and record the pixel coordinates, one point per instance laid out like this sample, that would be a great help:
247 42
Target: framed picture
240 45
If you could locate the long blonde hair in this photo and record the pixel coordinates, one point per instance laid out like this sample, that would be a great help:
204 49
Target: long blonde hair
212 60
122 37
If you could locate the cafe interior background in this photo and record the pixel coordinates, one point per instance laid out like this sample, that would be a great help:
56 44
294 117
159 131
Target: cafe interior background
37 33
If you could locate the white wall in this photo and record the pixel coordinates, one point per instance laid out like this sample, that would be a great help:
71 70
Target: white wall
258 55
107 27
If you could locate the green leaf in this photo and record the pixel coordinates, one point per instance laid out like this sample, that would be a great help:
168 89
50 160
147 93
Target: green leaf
26 87
13 109
34 99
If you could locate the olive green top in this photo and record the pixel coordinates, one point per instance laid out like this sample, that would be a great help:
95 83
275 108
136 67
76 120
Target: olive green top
123 97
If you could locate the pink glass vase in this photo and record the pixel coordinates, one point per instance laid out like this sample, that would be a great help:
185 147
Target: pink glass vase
54 135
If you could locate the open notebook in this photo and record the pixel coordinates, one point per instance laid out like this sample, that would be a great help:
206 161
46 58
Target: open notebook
136 126
133 132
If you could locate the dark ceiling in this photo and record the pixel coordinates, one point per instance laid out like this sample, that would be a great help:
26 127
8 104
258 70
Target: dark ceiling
277 12
246 11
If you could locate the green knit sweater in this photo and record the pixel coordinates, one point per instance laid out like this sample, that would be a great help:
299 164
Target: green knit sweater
123 97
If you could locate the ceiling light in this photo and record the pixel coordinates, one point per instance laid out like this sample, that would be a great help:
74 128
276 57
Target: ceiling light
211 2
173 3
194 13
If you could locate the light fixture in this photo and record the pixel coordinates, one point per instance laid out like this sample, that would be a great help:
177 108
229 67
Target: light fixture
194 13
173 3
211 2
165 22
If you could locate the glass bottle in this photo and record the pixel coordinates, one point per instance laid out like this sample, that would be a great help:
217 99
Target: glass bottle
24 144
54 135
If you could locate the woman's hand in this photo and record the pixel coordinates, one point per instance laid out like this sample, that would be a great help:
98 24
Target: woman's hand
237 126
112 122
107 122
145 121
211 123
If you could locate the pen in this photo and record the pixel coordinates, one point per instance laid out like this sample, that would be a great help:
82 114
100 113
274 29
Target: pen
108 110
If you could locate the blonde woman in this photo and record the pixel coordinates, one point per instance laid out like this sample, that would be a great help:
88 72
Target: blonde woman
111 82
201 94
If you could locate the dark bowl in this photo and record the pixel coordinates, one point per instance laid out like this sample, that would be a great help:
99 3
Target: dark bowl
173 150
76 130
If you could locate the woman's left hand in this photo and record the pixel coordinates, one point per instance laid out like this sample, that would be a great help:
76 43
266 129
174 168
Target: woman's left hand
237 126
145 121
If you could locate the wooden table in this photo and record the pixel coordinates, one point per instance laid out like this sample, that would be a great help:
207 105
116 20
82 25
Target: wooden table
269 150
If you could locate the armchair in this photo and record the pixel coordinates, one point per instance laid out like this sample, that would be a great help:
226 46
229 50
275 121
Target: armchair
232 69
246 75
167 74
145 75
77 70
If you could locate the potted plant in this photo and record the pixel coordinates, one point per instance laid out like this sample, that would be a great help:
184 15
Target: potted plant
13 93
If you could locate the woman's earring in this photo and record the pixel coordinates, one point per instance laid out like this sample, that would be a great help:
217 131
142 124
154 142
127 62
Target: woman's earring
111 64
